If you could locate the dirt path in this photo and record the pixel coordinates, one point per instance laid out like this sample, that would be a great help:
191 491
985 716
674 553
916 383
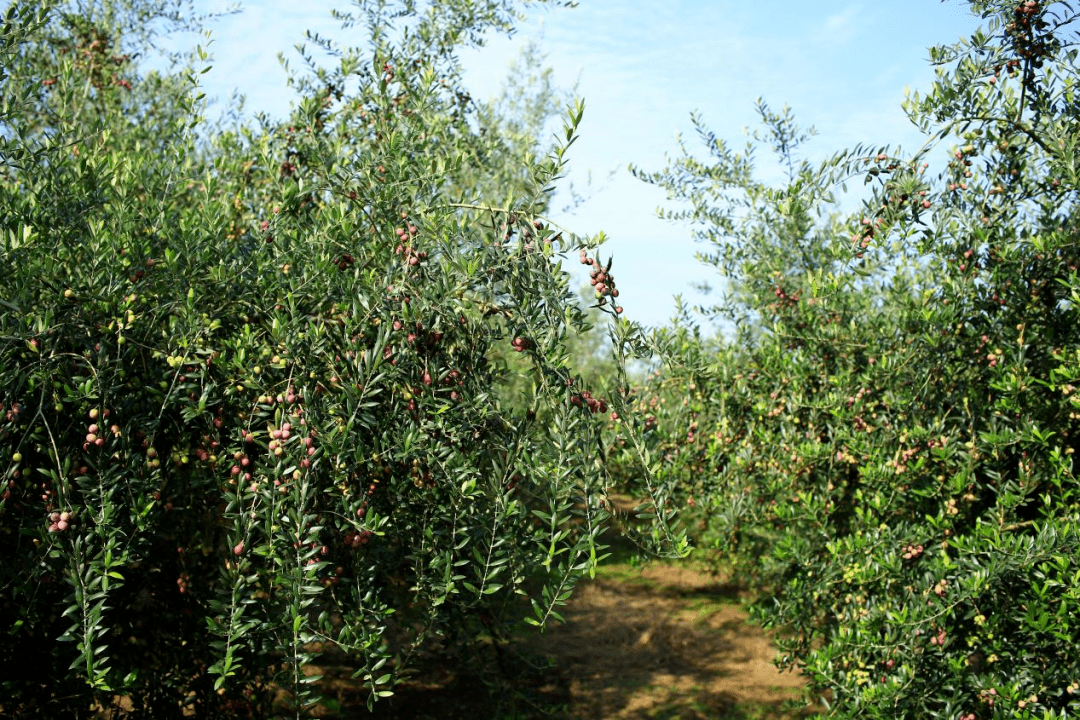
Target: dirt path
664 642
658 643
661 642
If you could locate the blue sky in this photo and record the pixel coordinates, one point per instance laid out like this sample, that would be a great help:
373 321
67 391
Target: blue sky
642 66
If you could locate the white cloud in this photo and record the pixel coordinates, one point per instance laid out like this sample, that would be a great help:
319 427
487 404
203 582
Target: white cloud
643 66
840 27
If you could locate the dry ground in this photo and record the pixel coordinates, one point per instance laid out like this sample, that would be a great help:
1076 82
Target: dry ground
667 641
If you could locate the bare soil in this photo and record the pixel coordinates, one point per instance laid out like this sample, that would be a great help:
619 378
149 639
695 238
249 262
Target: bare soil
665 641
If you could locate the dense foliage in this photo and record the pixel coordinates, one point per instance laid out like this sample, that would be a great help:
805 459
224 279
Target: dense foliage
270 390
884 444
250 373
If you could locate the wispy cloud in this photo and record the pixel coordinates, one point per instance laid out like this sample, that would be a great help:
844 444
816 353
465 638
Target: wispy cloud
840 27
643 66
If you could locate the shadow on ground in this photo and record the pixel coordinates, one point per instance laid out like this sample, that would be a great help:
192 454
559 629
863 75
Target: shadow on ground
666 641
